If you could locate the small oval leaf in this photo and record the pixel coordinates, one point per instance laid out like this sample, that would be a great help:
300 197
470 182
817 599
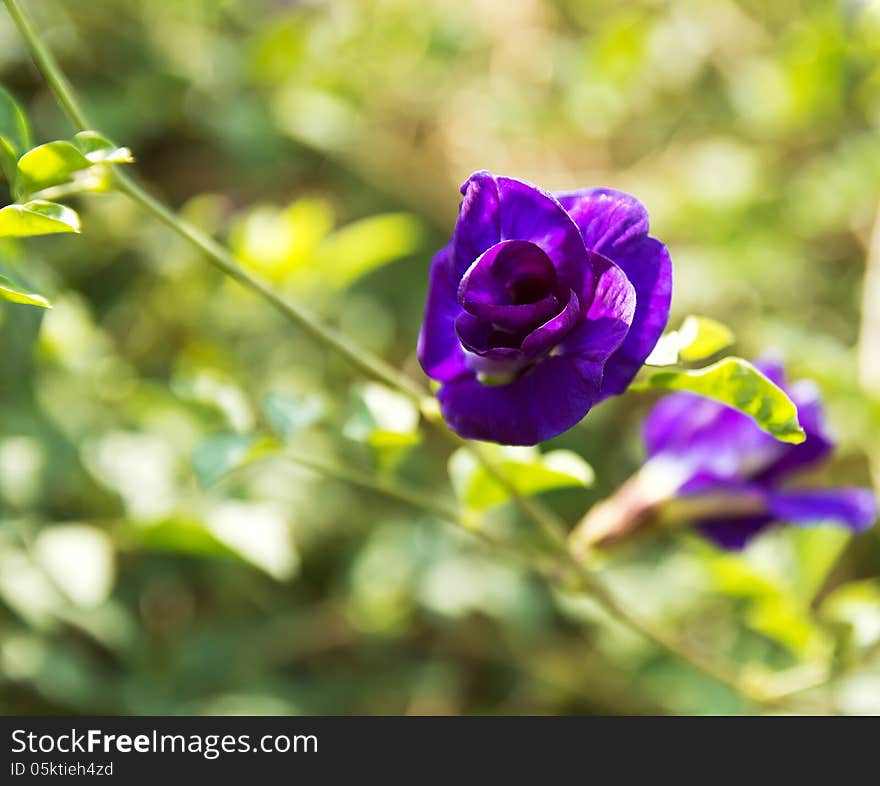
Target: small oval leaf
529 470
698 338
37 218
218 455
738 384
48 165
100 150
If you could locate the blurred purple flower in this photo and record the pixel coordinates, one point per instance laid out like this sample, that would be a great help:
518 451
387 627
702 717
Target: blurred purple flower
540 306
715 452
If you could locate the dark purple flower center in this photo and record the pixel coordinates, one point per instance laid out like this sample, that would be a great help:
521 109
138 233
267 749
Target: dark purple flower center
529 289
515 308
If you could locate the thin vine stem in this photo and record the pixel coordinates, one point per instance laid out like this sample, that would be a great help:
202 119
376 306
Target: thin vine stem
376 368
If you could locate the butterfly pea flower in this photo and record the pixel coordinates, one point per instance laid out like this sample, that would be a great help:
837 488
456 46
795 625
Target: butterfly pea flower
714 467
541 306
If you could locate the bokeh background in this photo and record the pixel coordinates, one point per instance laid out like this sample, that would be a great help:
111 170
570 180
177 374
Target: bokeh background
325 141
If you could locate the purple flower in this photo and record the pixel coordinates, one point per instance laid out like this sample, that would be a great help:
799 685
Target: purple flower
716 453
541 306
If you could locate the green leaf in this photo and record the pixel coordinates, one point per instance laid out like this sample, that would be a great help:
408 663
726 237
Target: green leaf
182 536
698 338
48 165
738 384
366 245
100 150
287 415
219 454
37 218
856 605
385 420
15 133
769 607
15 294
529 470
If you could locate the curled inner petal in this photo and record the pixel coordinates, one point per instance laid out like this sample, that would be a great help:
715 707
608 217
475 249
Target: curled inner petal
478 336
543 338
518 319
511 273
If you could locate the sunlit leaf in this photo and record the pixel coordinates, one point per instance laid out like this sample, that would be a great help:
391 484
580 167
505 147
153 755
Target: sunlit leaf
15 294
529 470
181 536
857 605
49 165
770 608
259 533
250 533
80 560
219 392
281 241
37 218
780 618
100 150
219 454
738 384
287 415
15 133
368 244
817 551
698 338
385 420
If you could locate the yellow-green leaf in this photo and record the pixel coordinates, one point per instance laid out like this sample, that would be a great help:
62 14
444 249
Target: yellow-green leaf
100 150
15 294
365 245
529 470
698 338
37 218
738 384
48 165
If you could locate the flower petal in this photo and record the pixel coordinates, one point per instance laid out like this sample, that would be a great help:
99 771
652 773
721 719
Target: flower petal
504 208
542 403
649 268
512 285
531 213
481 337
616 225
609 220
609 316
479 221
708 438
558 391
854 508
518 319
439 350
544 338
734 533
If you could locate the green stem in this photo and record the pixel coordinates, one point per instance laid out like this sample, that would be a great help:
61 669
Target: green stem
48 67
221 258
442 509
371 366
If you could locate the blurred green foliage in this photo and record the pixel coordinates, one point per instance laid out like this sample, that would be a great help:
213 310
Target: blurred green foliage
154 558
